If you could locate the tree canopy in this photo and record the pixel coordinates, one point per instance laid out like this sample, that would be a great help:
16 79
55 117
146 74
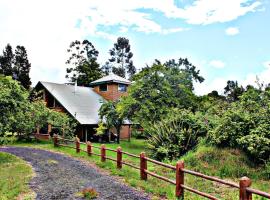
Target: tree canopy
16 65
121 59
83 63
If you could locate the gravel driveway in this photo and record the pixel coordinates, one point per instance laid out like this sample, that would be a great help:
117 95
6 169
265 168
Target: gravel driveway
61 177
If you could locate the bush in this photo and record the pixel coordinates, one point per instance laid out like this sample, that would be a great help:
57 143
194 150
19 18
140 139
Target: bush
245 125
176 134
7 138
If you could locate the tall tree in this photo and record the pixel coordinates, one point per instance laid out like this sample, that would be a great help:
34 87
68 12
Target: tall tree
16 65
22 67
121 58
83 58
6 61
233 91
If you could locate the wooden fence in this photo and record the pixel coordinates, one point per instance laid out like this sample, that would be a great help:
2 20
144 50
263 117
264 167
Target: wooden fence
245 191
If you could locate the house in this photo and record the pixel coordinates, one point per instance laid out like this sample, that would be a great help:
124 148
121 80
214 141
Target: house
83 103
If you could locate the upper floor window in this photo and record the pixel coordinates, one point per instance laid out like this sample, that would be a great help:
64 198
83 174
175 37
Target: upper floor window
122 87
103 88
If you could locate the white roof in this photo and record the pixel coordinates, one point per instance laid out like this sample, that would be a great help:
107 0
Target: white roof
111 78
83 104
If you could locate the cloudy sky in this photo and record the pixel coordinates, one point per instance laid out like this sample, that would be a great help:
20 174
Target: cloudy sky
225 39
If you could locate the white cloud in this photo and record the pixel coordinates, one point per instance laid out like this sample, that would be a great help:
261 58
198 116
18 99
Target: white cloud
46 27
232 31
217 64
263 76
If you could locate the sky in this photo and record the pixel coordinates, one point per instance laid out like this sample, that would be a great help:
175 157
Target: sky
224 39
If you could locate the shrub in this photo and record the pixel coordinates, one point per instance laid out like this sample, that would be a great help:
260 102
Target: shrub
176 134
89 193
245 125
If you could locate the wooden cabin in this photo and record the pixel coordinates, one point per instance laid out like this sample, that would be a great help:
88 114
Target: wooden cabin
83 103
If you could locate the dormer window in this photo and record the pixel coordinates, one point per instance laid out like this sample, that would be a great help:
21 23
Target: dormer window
122 87
103 88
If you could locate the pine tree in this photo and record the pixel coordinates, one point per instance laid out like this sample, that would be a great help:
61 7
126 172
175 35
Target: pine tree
6 61
22 67
83 58
121 58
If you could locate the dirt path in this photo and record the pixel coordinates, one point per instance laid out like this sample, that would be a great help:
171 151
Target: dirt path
60 177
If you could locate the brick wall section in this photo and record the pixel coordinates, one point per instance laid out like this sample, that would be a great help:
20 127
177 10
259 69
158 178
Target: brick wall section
124 133
112 92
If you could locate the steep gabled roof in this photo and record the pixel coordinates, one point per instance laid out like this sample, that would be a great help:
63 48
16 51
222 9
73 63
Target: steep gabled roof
111 78
83 104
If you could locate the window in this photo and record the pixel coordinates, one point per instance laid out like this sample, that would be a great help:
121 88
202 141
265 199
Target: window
103 88
122 87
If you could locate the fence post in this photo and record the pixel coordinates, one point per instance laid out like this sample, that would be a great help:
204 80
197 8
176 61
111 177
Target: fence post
55 140
119 158
143 166
244 183
179 190
89 148
77 141
103 153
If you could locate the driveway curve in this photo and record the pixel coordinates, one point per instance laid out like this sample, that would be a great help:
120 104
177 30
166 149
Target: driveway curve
61 177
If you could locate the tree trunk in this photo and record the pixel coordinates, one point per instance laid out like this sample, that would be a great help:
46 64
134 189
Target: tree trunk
118 134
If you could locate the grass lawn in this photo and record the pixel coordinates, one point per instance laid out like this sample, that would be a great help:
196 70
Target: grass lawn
14 177
224 163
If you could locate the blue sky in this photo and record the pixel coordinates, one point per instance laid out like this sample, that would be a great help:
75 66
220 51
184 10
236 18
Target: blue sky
226 40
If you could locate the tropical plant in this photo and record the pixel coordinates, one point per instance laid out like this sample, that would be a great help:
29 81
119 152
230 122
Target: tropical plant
176 134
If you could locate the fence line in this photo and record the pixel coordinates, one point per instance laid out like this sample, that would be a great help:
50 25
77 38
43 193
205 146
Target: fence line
245 192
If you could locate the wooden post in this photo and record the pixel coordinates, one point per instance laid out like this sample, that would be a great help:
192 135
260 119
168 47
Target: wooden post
143 166
179 190
103 153
55 140
77 141
119 158
244 183
89 148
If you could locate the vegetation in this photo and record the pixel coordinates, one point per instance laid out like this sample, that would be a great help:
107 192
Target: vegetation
110 118
88 193
227 163
120 62
14 177
83 60
16 65
20 118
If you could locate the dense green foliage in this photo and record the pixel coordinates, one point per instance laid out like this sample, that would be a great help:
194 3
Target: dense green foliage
20 117
16 65
157 90
176 134
245 124
110 118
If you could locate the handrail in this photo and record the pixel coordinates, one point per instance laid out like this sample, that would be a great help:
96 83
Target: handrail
211 178
258 192
130 154
199 192
244 186
160 163
160 177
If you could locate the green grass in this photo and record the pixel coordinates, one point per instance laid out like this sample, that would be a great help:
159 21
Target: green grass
14 177
228 164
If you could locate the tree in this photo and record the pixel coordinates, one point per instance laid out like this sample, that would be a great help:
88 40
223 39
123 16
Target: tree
22 67
6 61
16 65
21 117
83 58
233 91
121 58
157 90
110 117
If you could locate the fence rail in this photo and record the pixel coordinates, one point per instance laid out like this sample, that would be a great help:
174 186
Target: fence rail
245 191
